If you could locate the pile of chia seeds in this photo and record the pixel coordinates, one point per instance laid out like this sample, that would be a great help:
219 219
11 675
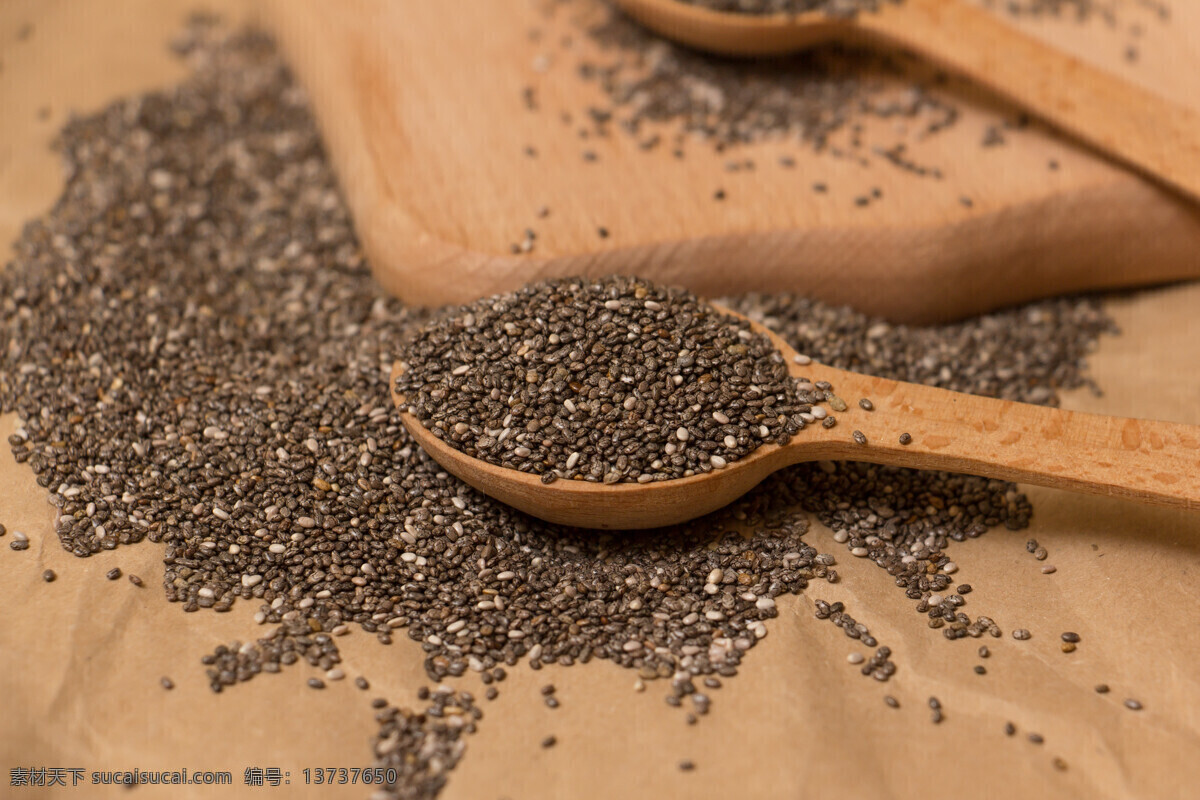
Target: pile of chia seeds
200 359
613 380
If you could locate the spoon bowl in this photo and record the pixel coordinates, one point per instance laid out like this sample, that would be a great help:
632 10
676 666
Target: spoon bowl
1147 460
1146 132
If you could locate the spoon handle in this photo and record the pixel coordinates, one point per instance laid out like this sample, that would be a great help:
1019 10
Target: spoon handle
1148 460
1157 137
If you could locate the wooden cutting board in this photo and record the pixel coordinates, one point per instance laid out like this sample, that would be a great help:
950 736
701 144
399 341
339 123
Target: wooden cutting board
422 107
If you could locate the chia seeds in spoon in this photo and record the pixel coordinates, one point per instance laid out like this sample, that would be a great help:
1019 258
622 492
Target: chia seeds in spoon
614 380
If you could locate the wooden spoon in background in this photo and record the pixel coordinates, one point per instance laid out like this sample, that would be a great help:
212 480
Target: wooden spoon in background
1147 460
1154 136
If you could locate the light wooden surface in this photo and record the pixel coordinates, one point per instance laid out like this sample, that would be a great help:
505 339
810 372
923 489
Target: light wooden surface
421 108
1136 459
1144 131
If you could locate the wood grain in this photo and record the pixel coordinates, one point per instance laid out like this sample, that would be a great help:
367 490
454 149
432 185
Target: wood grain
1136 459
421 109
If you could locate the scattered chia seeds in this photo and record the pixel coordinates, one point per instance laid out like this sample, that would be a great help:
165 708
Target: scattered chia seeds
613 380
294 639
1083 11
238 415
816 97
936 713
879 666
422 747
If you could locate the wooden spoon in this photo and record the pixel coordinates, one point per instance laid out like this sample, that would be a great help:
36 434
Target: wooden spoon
1151 134
1147 460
